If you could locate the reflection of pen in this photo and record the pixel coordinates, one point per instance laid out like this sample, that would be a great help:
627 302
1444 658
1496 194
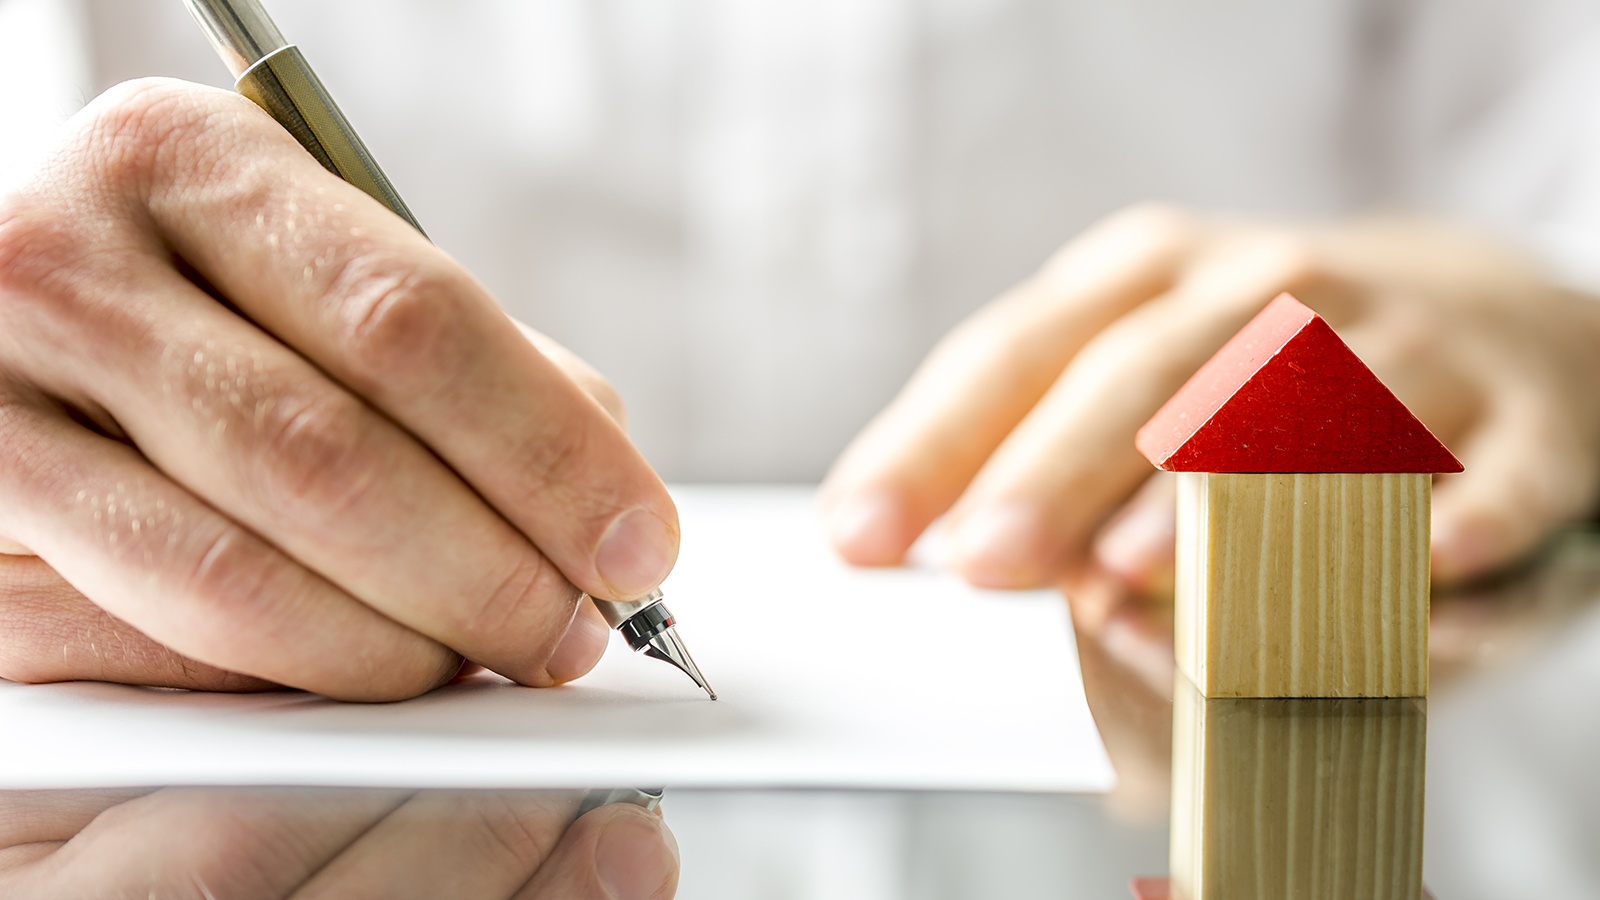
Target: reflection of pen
273 73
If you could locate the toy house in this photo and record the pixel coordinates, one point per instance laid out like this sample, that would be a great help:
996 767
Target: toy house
1304 490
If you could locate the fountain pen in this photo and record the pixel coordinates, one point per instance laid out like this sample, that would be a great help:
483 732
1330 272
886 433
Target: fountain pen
275 75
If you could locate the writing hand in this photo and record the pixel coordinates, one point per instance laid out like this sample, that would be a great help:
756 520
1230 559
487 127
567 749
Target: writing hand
257 430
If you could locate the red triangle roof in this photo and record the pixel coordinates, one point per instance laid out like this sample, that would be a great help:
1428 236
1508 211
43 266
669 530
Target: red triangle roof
1287 395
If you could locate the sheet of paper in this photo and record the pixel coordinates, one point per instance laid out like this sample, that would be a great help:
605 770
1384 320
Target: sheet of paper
829 677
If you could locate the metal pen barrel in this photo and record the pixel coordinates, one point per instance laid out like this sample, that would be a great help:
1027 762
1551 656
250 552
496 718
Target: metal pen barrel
275 75
241 31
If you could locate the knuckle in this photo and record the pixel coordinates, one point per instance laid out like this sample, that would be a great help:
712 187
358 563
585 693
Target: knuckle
1154 221
320 455
389 675
1402 337
36 250
382 670
140 127
497 822
402 324
253 599
239 581
557 458
53 278
531 602
1151 239
1291 259
405 676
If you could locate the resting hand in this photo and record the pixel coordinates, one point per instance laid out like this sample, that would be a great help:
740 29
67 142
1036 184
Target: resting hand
1019 426
257 431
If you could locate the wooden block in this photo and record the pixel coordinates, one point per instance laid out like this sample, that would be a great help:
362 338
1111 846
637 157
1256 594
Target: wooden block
1287 395
1306 798
1303 585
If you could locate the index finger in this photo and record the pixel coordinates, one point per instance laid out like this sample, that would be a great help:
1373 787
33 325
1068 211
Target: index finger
330 272
911 463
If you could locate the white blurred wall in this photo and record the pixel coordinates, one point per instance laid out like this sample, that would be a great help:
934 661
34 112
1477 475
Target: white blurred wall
756 217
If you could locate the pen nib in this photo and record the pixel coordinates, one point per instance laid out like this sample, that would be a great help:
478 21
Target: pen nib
667 647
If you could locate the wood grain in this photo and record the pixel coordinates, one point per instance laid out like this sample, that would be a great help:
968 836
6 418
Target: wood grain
1306 798
1303 585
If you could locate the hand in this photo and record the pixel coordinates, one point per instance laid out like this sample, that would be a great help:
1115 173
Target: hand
257 431
1019 426
261 843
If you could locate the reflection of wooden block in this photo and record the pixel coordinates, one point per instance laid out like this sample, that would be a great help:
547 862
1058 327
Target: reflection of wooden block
1304 798
1304 494
1303 585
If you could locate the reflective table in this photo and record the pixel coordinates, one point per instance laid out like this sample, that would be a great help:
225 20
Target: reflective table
1490 788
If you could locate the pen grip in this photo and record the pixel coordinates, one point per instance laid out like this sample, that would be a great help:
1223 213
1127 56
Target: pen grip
283 84
618 612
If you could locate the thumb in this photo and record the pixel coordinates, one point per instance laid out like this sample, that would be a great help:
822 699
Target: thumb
616 852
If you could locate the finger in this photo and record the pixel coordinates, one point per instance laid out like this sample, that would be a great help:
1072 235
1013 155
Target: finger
1402 343
581 648
1137 544
581 373
1134 720
260 434
617 852
1031 511
28 817
1527 471
205 842
368 300
50 632
462 844
157 558
912 462
34 824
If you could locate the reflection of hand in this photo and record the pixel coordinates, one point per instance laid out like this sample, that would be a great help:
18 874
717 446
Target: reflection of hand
244 844
1125 651
254 416
1019 426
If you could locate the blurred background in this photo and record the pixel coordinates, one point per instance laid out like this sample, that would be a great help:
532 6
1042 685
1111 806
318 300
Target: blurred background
755 218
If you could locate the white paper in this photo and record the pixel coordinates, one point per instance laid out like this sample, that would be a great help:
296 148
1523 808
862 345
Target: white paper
829 677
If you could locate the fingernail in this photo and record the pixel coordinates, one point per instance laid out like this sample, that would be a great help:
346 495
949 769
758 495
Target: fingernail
636 855
1000 546
636 554
580 648
865 530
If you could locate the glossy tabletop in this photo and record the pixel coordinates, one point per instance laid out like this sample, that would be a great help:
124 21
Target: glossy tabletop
1488 789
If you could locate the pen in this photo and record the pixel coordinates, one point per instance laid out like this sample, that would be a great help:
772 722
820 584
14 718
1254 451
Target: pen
275 75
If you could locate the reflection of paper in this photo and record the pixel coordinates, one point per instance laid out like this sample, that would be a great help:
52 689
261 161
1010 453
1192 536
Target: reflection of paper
828 677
